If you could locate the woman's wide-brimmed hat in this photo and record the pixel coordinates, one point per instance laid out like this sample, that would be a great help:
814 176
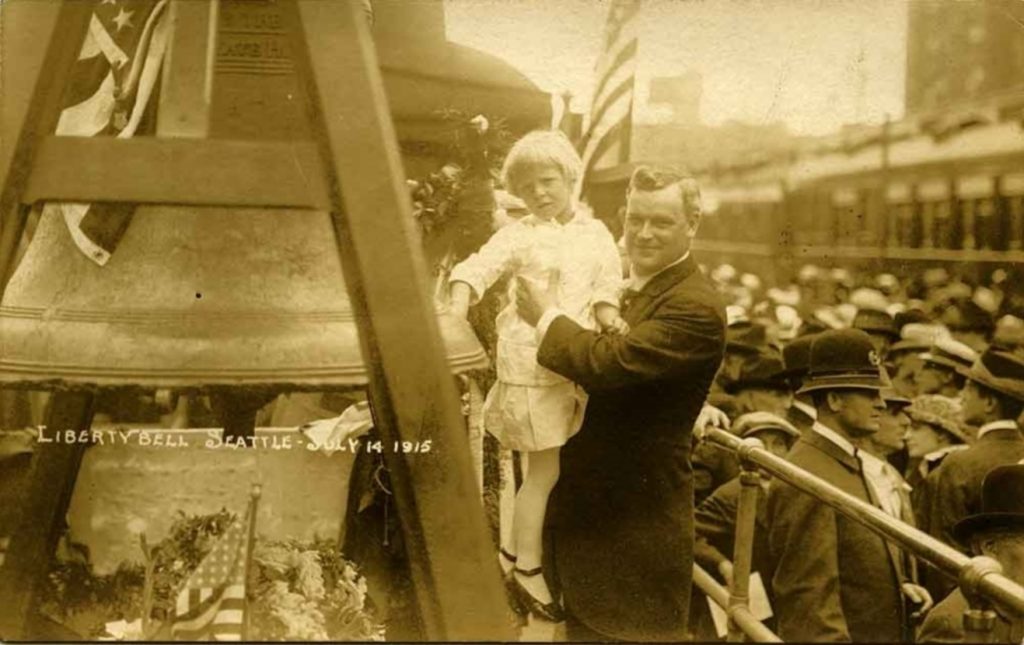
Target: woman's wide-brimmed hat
1002 504
843 359
941 412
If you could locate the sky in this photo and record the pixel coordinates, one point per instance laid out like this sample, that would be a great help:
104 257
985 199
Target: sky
811 64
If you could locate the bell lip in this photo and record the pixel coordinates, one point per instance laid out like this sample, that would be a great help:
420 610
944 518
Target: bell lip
58 377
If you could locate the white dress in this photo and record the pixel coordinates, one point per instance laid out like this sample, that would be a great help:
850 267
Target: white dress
530 407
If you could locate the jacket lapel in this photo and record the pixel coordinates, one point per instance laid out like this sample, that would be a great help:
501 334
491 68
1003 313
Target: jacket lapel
641 305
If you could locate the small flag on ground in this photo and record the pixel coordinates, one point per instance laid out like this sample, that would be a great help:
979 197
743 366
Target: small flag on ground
211 605
110 88
605 143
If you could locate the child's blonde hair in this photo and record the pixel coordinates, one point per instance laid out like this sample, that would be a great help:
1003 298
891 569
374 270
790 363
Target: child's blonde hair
539 147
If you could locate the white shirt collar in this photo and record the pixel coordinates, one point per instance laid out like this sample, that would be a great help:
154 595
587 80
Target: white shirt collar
805 408
638 282
1002 424
533 220
834 437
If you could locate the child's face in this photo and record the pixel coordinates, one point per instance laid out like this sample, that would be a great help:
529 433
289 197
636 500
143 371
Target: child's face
545 190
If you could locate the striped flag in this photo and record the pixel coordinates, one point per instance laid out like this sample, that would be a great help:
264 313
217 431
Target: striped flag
212 602
605 143
111 85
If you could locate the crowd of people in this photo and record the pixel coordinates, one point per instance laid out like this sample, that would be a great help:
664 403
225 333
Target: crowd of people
902 391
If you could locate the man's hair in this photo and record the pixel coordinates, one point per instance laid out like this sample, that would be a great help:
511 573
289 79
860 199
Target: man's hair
541 147
651 178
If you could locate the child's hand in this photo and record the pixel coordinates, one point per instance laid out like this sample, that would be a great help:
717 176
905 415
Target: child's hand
617 326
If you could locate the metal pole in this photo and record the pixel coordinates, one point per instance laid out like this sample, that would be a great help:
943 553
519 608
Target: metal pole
740 615
975 572
746 518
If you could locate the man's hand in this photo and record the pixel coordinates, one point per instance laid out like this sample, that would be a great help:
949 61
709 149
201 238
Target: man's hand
919 596
533 300
710 417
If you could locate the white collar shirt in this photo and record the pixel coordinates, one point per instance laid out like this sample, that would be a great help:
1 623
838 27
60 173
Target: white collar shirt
835 438
638 282
1002 424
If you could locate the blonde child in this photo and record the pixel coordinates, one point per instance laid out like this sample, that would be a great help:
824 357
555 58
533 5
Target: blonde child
531 409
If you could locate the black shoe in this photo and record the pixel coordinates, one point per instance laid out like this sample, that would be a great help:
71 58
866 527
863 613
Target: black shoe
551 611
510 585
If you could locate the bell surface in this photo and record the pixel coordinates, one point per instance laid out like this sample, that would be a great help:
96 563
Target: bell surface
194 297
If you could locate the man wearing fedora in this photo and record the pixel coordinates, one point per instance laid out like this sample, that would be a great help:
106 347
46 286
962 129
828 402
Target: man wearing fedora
992 400
834 579
996 530
942 366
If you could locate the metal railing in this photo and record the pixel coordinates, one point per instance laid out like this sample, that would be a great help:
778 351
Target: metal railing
980 578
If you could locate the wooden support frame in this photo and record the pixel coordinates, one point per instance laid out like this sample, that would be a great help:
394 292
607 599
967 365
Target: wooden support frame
454 569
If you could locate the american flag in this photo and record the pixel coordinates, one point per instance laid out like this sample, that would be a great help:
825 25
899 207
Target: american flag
111 87
605 143
212 602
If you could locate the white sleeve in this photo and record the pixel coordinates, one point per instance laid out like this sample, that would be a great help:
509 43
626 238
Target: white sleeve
608 285
483 268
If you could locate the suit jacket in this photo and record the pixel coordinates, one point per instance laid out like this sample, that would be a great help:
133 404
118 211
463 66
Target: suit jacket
944 624
953 491
834 579
621 515
716 529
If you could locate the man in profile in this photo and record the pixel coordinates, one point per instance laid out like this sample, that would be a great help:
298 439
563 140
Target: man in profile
621 517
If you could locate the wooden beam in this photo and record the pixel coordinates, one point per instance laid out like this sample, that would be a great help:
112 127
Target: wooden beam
205 172
51 481
31 98
188 70
454 566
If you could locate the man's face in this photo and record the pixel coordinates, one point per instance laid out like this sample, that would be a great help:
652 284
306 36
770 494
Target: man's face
657 233
881 343
1008 549
860 411
930 379
975 404
758 399
892 426
545 190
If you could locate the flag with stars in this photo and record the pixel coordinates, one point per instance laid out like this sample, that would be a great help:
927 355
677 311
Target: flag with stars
211 605
110 94
607 133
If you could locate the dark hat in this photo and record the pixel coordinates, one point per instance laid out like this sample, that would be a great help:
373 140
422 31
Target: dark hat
1000 371
763 370
750 338
843 359
951 354
966 315
1002 504
876 322
911 316
796 356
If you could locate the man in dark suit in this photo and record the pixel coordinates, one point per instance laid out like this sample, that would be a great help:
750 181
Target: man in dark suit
992 399
834 579
996 531
621 516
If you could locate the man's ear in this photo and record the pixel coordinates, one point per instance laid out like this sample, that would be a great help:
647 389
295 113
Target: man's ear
835 400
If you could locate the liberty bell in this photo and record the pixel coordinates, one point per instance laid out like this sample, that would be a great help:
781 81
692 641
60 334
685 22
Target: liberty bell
203 297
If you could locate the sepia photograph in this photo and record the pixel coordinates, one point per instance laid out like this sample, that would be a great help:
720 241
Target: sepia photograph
512 321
